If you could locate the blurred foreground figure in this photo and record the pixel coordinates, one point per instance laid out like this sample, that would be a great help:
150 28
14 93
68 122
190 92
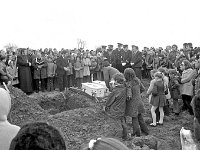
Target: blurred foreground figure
196 109
105 144
38 136
7 130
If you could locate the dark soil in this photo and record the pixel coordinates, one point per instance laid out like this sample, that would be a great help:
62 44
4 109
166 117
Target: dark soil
81 119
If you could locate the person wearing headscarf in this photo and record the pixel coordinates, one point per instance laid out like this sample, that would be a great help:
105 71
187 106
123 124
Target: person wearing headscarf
7 130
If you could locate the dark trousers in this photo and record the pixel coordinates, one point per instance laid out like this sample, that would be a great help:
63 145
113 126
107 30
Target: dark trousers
68 81
73 79
100 75
124 127
135 126
143 125
50 85
55 83
86 79
94 76
119 67
138 72
79 82
148 73
61 79
186 103
37 83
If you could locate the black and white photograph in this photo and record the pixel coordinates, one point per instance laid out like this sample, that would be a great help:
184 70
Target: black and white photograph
99 75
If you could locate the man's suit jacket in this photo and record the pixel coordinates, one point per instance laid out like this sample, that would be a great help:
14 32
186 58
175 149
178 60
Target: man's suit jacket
61 63
137 59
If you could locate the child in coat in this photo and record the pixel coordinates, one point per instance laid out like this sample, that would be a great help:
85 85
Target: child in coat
86 68
174 88
158 99
116 103
51 71
134 89
78 67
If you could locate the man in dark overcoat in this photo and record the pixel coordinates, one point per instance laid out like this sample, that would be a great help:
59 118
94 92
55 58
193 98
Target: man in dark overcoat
126 57
62 67
117 57
137 61
24 72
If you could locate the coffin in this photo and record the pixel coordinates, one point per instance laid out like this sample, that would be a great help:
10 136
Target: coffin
94 89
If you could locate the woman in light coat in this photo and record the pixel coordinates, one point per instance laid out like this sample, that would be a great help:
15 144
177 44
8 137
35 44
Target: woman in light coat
187 87
86 68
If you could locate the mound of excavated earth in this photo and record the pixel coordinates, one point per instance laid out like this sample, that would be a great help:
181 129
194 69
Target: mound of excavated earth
80 119
24 109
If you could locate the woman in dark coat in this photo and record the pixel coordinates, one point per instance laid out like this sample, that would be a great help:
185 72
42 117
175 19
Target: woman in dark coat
134 105
25 78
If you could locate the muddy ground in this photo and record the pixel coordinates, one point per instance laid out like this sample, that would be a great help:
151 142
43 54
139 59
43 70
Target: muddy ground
80 119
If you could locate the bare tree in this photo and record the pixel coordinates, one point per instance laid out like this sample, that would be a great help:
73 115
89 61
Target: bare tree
10 47
78 43
81 43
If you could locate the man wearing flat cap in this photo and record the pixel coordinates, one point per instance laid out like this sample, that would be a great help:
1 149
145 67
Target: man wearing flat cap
110 47
117 57
137 61
126 57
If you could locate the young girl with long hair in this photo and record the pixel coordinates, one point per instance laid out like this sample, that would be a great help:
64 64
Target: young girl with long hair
158 99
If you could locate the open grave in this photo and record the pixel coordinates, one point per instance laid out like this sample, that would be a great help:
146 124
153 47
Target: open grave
80 119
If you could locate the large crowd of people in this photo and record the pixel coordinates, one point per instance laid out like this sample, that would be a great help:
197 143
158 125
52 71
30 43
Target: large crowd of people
49 69
174 75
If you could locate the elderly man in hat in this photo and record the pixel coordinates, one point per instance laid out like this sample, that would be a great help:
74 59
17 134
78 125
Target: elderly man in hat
127 56
137 61
117 57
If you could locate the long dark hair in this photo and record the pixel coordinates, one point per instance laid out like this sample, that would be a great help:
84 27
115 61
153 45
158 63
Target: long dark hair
38 135
130 75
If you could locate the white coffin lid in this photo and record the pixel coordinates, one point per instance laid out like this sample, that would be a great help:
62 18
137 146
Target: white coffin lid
93 85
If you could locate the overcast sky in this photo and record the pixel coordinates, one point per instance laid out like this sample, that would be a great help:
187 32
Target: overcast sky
59 23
